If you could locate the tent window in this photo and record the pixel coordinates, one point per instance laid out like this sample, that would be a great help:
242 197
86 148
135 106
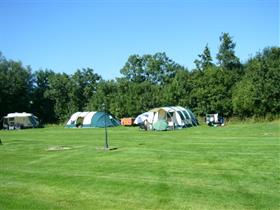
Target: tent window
181 115
192 115
11 119
170 114
186 115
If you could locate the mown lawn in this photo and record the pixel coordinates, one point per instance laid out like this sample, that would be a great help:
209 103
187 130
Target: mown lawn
234 167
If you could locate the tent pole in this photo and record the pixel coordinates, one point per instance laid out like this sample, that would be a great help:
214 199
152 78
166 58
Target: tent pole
106 145
106 135
153 121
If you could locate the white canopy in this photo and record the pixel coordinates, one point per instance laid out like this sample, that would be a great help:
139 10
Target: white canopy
145 116
23 114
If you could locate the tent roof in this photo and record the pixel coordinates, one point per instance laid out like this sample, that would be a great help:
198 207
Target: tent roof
24 114
166 109
92 119
155 109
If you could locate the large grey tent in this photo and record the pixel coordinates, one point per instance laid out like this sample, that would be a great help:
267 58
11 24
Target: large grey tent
91 120
20 120
174 116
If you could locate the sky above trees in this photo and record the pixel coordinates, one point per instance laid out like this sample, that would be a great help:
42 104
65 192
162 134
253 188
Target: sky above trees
67 35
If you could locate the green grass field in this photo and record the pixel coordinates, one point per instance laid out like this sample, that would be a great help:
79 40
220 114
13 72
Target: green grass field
234 167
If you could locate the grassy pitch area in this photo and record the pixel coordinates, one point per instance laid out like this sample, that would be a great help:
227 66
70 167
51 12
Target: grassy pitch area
231 167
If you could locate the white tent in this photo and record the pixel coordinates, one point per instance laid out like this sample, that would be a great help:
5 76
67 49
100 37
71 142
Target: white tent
174 116
20 120
91 120
142 117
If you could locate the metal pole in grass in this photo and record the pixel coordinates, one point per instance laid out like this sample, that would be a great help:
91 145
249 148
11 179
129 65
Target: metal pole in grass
106 145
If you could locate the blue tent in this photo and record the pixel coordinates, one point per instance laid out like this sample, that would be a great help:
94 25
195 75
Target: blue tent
101 118
91 120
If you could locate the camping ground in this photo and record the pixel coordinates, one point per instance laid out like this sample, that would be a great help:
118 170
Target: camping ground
231 167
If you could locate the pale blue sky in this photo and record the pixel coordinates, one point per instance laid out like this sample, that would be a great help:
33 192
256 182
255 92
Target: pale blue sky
66 35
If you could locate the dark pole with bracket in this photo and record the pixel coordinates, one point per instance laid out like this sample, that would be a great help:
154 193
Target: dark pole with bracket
106 146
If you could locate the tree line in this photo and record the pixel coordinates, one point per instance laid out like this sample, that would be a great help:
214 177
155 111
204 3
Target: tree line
228 87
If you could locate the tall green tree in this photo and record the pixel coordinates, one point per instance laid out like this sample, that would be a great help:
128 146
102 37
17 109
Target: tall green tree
157 68
133 69
103 96
125 98
205 59
143 96
42 106
15 86
86 82
160 69
178 91
212 91
258 93
62 90
226 56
